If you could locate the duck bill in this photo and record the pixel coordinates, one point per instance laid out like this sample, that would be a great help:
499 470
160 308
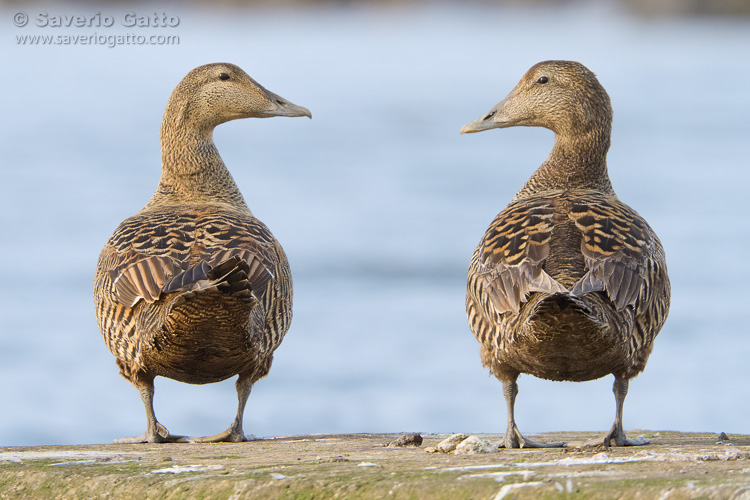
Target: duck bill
494 118
479 125
283 107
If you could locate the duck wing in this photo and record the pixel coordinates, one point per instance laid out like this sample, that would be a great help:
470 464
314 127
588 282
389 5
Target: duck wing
149 257
509 258
214 268
619 248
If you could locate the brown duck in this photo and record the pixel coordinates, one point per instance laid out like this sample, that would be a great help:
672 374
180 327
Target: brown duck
193 287
568 282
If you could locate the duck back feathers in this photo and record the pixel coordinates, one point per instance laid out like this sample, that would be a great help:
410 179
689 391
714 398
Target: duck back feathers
154 261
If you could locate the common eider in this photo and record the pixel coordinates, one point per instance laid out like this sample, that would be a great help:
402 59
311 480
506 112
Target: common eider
568 283
193 287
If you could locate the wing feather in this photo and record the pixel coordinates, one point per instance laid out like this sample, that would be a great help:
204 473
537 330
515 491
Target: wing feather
142 279
165 253
259 270
512 253
617 245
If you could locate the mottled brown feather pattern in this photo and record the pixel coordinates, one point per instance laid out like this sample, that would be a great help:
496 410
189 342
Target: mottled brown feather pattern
568 282
149 249
621 257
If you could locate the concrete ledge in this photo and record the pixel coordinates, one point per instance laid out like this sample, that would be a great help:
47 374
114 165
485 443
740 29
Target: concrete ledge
360 466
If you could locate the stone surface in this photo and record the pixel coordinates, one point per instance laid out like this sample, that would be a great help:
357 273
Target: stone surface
475 444
450 443
675 466
408 439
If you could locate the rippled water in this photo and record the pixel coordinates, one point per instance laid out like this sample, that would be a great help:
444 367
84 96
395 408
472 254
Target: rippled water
379 203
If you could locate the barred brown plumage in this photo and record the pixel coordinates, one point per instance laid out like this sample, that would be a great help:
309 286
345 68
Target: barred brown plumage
568 282
193 287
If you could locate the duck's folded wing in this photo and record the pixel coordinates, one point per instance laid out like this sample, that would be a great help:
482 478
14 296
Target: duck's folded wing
511 254
149 277
161 253
142 254
213 268
618 246
142 279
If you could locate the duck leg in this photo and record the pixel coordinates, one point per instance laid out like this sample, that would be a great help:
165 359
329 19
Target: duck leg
513 437
234 434
620 388
155 432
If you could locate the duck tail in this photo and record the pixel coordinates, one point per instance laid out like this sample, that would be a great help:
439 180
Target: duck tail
559 305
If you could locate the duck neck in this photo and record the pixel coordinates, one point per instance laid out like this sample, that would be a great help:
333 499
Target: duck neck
191 168
577 161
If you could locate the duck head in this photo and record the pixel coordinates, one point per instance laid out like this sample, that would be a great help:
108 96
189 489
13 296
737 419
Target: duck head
563 96
216 93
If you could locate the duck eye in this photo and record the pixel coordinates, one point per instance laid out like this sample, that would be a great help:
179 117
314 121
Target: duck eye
223 76
543 79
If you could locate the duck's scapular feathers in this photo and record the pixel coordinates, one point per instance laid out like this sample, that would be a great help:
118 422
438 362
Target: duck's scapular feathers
193 287
568 282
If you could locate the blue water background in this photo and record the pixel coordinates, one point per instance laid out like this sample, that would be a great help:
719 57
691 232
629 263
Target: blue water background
379 203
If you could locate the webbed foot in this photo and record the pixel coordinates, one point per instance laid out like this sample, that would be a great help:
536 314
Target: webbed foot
618 436
159 435
232 435
514 439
